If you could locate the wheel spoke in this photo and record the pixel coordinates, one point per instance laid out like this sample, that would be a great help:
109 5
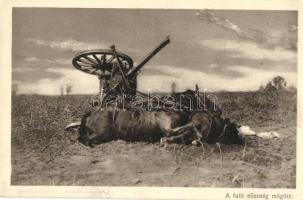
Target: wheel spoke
87 70
103 58
99 62
89 59
87 67
84 62
95 70
110 59
84 66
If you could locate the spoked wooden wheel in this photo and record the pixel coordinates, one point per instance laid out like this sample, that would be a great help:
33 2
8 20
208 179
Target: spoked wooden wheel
100 62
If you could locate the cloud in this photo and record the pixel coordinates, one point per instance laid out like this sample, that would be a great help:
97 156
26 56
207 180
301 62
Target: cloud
269 38
210 17
23 69
81 83
252 79
239 49
31 59
62 61
214 66
70 45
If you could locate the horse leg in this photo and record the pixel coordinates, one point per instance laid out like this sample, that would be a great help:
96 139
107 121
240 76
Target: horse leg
198 129
179 130
182 138
183 131
179 134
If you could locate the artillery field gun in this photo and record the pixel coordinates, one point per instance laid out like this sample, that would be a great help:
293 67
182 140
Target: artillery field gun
118 76
114 69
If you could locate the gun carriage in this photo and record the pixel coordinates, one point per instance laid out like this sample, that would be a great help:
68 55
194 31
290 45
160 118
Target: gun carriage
115 70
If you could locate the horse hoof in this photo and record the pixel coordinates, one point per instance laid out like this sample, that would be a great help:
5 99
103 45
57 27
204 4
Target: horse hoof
163 142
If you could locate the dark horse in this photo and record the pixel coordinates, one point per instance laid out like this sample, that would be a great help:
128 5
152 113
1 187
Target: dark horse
171 126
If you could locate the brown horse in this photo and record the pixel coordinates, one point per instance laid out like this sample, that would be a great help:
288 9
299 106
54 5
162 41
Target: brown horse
171 127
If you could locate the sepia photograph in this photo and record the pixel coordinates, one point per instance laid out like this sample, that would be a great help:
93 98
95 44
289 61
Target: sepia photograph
155 97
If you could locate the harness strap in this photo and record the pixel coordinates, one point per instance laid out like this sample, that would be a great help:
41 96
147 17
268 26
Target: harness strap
130 126
211 124
222 132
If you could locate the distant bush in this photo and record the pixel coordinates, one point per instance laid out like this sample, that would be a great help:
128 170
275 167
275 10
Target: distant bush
277 83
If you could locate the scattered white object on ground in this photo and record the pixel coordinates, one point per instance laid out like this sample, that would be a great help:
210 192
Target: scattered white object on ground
245 130
269 135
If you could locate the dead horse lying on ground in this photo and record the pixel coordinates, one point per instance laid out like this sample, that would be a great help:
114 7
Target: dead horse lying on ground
102 126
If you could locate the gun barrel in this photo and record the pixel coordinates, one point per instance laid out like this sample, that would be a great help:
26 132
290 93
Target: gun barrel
148 57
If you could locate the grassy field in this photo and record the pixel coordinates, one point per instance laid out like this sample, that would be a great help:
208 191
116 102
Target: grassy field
44 154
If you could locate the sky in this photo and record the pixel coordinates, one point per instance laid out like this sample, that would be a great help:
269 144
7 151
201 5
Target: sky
230 50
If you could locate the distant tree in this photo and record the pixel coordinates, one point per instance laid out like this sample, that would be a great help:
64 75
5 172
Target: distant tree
68 89
292 88
173 87
14 89
277 83
261 88
62 90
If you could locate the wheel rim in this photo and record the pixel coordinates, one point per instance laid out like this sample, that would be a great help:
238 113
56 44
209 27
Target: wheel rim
100 62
